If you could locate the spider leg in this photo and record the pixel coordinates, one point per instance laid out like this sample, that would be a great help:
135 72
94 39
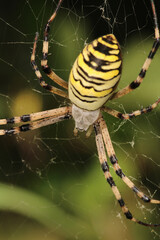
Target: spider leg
44 60
117 168
37 116
89 131
136 83
38 120
39 76
109 179
136 113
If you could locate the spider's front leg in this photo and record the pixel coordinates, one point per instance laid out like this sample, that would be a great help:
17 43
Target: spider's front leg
108 177
117 168
37 120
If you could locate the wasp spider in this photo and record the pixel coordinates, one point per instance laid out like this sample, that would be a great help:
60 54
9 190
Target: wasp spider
92 82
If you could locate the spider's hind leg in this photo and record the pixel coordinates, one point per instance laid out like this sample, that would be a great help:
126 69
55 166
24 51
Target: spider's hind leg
136 83
39 76
44 62
127 116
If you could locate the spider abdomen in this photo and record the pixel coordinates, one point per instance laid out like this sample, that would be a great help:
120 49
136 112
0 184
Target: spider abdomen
95 73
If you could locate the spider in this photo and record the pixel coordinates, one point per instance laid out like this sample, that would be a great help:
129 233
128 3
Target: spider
92 82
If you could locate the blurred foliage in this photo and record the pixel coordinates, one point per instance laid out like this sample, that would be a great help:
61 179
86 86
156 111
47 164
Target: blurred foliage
53 187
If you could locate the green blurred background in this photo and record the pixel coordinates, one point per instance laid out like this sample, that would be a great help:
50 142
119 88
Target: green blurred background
52 186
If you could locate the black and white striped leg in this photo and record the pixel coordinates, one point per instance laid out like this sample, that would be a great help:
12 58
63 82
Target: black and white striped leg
117 168
37 116
37 120
44 61
39 76
133 85
109 179
127 116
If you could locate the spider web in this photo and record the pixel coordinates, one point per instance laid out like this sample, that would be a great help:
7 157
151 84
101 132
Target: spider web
51 163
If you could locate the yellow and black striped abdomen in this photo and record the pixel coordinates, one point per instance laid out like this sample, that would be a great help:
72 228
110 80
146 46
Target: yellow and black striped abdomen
95 73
